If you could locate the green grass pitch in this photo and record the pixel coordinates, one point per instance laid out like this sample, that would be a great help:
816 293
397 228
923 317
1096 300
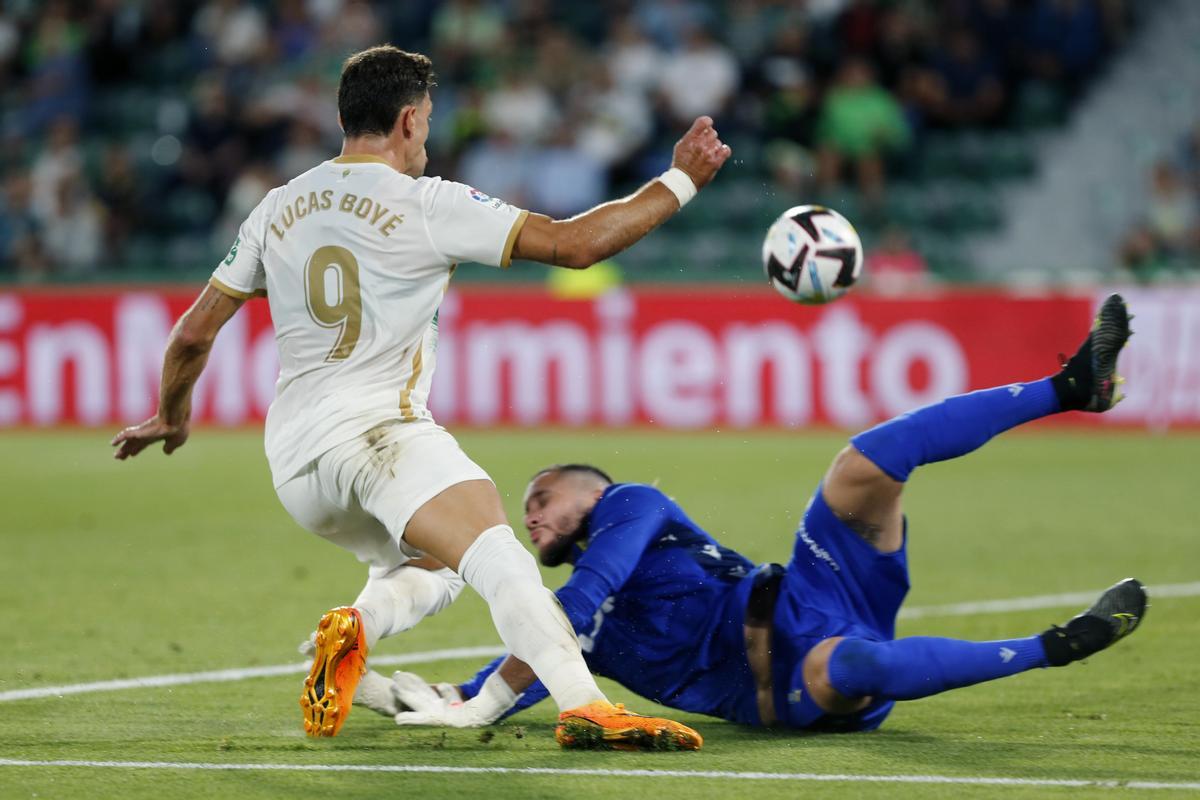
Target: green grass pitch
188 563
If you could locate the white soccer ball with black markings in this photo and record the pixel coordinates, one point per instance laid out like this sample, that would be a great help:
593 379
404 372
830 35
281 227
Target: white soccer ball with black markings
812 255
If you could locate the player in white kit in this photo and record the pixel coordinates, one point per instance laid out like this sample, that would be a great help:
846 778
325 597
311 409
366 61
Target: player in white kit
354 257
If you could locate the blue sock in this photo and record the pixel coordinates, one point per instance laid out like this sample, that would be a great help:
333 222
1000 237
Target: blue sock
919 666
953 427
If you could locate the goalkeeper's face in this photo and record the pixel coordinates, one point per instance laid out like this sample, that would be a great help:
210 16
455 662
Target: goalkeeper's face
556 510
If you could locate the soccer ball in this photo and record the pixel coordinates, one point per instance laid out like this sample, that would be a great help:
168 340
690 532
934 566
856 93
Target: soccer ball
812 255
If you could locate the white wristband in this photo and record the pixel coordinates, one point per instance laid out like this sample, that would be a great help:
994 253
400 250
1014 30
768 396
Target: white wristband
680 185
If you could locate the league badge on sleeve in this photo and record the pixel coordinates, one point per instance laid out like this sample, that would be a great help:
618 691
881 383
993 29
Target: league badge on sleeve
486 199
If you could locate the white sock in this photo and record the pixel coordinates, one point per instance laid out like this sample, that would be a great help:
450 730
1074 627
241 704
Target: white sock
528 616
403 597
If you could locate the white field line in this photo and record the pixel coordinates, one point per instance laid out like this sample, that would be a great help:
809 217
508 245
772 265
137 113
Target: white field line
245 673
239 674
968 780
1039 602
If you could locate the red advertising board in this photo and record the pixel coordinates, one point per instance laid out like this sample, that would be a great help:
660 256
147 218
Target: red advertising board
712 357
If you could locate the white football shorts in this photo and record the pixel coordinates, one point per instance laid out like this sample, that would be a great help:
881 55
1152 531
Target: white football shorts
361 494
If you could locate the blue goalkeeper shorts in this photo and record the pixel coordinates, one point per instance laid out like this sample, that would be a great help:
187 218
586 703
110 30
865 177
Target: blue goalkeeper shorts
836 584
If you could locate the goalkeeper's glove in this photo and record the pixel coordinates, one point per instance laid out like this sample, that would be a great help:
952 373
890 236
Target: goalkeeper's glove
442 705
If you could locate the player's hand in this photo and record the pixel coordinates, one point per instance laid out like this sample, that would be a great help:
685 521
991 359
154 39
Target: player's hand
700 153
429 705
441 705
413 685
134 440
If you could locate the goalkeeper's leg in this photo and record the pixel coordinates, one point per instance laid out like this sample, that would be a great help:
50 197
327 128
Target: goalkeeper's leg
865 481
864 484
844 674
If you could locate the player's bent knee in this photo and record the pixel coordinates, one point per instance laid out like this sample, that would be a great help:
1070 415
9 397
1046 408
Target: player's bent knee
819 686
866 499
851 468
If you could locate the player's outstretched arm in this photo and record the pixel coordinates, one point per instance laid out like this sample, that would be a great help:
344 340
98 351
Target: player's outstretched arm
187 353
607 229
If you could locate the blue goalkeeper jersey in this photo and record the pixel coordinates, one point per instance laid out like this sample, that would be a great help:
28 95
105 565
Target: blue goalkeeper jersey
659 606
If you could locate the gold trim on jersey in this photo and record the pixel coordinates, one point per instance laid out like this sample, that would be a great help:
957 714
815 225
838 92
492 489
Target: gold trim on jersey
506 255
406 409
360 159
237 294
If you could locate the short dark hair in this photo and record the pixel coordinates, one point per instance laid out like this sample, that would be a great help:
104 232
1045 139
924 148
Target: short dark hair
584 469
376 83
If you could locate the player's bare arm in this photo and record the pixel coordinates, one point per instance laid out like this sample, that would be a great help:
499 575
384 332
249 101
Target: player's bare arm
187 353
607 229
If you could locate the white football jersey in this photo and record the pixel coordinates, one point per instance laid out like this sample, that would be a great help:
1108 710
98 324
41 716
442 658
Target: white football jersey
354 258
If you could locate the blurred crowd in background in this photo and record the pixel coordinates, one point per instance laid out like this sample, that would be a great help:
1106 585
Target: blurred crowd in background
1166 240
138 135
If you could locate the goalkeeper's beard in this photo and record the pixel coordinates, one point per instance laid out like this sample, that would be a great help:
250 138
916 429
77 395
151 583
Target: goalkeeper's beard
559 552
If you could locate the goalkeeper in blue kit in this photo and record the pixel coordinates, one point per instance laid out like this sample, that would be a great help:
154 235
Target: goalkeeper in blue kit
664 609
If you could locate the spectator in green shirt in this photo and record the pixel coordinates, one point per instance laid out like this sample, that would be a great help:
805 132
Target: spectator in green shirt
861 123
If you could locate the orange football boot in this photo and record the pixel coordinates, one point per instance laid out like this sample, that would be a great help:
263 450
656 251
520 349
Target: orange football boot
603 726
338 664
